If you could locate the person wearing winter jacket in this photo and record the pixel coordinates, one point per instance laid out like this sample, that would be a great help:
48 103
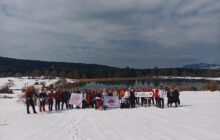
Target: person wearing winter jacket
29 95
50 100
121 93
98 100
126 98
65 98
162 94
156 96
169 98
148 99
132 98
175 97
57 97
42 99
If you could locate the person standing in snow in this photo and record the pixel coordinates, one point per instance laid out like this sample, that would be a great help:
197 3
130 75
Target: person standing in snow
121 93
42 99
65 98
162 94
132 98
50 100
175 97
29 95
169 98
148 99
57 97
156 96
126 98
98 100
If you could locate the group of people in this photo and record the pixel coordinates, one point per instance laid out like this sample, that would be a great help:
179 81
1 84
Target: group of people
94 98
61 98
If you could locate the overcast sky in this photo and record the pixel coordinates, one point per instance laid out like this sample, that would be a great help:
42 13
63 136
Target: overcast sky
135 33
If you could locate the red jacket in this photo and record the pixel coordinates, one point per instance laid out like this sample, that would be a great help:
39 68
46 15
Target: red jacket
50 96
156 93
57 95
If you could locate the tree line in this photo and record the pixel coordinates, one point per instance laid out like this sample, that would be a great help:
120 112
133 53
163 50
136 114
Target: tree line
17 68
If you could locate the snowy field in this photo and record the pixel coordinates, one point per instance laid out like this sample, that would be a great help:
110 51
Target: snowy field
20 83
191 78
196 119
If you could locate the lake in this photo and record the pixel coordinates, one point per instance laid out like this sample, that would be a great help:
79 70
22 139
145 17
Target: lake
180 83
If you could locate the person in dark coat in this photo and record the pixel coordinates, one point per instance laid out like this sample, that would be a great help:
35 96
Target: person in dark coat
65 98
69 96
83 103
50 101
169 98
88 98
132 98
175 97
29 95
42 99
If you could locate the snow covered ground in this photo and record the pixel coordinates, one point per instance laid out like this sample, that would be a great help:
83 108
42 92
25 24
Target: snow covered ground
191 78
21 82
196 119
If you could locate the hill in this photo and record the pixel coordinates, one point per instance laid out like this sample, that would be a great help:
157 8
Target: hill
19 67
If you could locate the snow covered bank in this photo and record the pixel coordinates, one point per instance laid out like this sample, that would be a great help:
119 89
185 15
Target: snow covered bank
191 78
196 119
19 83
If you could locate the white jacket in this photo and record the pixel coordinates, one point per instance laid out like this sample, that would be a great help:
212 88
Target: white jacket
127 94
162 93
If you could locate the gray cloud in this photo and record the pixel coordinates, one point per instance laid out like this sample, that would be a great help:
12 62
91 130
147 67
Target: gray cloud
137 33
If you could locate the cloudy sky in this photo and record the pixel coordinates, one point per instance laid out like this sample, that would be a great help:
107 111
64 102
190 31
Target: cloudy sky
135 33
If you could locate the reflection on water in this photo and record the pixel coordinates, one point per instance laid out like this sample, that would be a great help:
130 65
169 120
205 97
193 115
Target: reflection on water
139 83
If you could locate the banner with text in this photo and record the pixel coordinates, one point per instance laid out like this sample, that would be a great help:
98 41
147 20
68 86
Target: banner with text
144 94
111 101
76 99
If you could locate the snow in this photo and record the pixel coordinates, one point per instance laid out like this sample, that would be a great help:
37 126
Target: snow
191 78
196 119
21 82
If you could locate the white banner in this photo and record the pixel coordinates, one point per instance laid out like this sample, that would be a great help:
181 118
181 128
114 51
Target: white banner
144 94
111 101
76 99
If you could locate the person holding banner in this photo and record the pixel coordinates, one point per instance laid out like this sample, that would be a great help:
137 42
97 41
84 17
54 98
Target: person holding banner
115 92
148 99
162 94
149 89
98 100
126 98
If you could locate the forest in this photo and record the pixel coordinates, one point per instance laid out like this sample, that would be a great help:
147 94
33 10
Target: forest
19 67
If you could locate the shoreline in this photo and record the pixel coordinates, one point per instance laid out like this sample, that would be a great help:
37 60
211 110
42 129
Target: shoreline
217 79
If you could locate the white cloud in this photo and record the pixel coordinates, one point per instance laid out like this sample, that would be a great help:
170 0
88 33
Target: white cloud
76 27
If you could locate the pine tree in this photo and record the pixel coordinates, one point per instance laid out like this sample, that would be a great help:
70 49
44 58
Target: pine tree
36 73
